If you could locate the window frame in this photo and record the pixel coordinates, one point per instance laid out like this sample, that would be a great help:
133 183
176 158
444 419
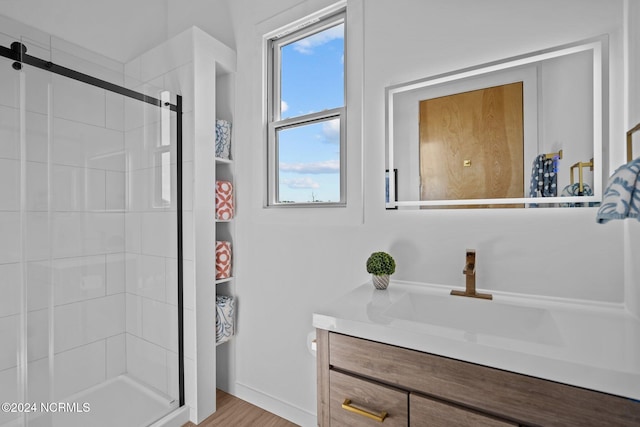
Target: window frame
275 122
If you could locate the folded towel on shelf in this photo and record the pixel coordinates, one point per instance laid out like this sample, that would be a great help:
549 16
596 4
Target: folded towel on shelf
225 308
622 196
223 139
224 200
223 260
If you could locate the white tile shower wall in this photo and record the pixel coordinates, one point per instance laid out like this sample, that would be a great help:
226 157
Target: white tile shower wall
9 124
146 276
36 136
146 361
38 281
8 393
66 105
88 146
10 229
9 194
159 324
78 279
115 275
85 322
83 262
10 301
116 355
81 367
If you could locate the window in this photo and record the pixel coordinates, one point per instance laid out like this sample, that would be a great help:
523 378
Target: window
306 115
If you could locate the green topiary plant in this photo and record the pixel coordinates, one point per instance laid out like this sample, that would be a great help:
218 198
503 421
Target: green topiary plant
381 263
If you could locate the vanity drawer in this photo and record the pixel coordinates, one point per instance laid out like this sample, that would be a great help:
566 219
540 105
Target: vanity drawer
356 402
396 366
426 412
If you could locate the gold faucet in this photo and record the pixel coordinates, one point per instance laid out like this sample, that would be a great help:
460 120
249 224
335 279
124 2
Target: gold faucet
470 273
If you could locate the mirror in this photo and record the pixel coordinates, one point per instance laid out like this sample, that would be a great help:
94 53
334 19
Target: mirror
524 132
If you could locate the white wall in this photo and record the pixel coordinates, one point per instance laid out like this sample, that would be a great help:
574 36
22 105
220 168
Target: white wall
567 112
632 89
292 264
211 16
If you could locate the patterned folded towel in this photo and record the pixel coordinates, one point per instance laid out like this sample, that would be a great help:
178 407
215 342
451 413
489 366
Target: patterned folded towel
223 139
225 308
622 195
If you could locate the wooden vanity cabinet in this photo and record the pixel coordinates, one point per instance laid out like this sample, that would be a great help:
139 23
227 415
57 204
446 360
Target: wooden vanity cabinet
420 389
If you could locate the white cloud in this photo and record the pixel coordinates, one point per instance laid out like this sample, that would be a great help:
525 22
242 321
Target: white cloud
307 44
331 130
283 106
300 183
327 166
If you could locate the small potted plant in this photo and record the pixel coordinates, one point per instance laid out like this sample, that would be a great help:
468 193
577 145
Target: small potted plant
381 265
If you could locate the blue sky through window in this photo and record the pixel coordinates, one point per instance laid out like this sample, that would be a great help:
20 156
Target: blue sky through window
312 80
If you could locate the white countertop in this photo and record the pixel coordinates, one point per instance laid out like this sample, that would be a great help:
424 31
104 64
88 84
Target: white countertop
590 345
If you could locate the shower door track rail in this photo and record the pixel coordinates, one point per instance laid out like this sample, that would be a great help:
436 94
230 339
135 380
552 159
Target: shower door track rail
17 52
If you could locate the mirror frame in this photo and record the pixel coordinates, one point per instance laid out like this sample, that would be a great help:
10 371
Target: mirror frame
598 46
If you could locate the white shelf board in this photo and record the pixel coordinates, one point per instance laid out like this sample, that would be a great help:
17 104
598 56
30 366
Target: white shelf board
223 342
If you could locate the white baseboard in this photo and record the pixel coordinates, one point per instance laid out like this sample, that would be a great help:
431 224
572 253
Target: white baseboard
279 407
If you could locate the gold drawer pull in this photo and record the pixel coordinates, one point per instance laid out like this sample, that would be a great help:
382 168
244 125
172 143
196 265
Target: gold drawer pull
347 405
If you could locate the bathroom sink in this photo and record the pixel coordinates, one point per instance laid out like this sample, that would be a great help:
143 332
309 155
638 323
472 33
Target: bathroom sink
474 319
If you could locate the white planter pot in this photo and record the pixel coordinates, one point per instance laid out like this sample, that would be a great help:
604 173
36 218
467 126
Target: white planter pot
380 282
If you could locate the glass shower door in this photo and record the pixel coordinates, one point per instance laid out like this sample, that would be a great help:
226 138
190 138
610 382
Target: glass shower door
36 220
25 252
11 271
88 259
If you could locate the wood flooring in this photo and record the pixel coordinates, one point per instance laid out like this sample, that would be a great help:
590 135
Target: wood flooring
234 412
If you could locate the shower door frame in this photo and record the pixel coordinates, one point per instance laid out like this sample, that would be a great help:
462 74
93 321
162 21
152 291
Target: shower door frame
17 53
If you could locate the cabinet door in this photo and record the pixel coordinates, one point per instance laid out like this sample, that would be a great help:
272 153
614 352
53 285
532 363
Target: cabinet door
357 402
428 412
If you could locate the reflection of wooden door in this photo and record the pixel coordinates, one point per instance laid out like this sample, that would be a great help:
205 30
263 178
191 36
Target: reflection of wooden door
471 145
